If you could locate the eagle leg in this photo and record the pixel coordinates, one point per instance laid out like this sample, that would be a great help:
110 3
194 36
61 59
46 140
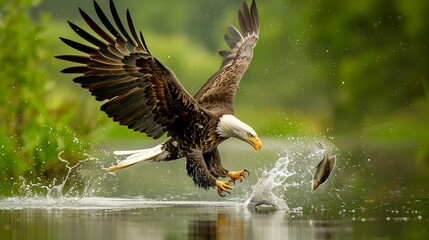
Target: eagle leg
198 171
214 164
239 175
215 167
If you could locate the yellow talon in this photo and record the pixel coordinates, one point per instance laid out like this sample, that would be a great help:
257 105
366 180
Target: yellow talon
240 175
223 186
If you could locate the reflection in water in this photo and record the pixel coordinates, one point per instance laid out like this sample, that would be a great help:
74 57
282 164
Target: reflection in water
166 223
268 225
224 226
134 220
329 229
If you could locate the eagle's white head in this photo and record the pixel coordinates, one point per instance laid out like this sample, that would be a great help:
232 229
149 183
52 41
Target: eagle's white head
230 126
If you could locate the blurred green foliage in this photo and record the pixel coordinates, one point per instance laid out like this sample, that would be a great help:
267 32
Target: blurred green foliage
38 119
353 70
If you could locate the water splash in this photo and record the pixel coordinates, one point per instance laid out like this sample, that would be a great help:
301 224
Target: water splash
82 180
270 186
289 180
53 190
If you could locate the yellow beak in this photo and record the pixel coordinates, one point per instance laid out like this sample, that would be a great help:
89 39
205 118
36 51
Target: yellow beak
255 142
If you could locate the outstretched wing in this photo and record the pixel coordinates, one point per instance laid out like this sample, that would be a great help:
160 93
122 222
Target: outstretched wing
219 91
140 91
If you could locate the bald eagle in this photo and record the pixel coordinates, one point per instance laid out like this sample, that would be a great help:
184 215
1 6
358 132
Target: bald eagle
146 96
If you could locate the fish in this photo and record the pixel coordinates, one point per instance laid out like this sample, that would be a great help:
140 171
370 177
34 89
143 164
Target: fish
323 169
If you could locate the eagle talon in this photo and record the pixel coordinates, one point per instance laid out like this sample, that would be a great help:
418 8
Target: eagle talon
224 193
240 175
223 187
232 181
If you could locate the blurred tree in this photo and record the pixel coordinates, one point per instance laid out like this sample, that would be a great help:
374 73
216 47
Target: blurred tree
36 122
378 56
377 52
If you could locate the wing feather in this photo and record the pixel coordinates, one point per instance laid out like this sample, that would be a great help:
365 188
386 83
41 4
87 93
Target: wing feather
94 26
230 41
133 32
85 35
76 59
246 17
140 92
219 91
76 69
103 18
235 34
79 46
129 43
255 17
241 22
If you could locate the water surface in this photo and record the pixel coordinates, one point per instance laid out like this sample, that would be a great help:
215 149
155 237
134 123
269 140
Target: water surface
158 201
109 218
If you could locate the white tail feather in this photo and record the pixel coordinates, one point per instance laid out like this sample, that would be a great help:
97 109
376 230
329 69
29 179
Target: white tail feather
136 156
128 152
